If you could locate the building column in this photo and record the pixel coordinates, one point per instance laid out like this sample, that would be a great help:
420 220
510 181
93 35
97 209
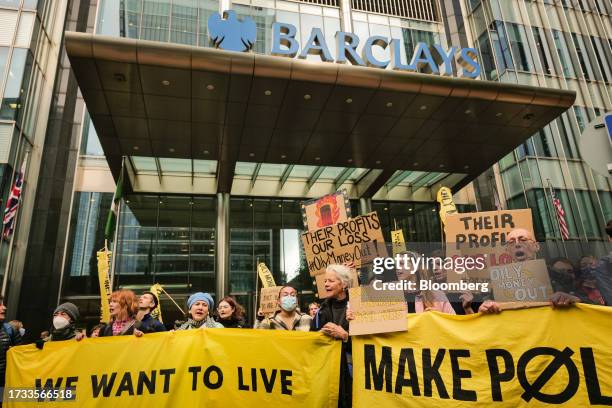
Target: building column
345 16
224 5
222 244
365 205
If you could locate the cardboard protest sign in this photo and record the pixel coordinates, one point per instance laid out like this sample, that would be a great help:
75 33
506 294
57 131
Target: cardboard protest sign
267 280
268 299
326 210
377 311
522 281
358 240
483 235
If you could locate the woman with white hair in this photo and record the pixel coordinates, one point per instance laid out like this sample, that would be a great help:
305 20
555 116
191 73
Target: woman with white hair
331 320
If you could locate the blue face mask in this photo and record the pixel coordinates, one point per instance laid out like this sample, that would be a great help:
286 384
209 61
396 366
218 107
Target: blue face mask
289 303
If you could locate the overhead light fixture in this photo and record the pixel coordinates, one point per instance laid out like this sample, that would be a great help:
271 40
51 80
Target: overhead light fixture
389 104
210 87
251 154
307 97
441 166
171 150
267 92
127 201
349 100
467 111
135 147
165 82
283 156
423 107
350 160
205 152
415 164
378 161
466 167
119 77
317 158
498 114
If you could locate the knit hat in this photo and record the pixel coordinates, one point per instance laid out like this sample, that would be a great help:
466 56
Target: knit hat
70 309
200 296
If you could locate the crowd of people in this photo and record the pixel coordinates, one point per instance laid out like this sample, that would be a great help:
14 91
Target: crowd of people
132 315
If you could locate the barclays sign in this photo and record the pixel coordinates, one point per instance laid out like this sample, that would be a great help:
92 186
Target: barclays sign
234 35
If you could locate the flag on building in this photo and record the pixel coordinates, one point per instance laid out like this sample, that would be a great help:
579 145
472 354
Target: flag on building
12 203
113 214
560 216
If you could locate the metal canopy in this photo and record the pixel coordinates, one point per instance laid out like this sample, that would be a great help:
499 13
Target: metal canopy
168 100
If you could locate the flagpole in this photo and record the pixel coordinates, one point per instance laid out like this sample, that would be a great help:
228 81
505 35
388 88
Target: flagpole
22 170
117 225
550 187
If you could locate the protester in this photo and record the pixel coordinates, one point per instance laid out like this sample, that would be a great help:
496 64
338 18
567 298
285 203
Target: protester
603 273
521 245
65 317
18 325
562 275
586 286
313 308
147 302
9 337
123 309
199 305
95 331
288 317
332 321
44 335
231 314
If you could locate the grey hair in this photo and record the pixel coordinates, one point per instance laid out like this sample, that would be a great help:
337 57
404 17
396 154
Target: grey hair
342 272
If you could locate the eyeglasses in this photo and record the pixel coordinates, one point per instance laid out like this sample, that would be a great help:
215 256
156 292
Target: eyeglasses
522 240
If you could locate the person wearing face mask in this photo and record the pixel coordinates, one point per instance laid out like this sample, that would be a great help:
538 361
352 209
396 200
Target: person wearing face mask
65 317
230 313
18 325
586 282
562 276
200 304
288 318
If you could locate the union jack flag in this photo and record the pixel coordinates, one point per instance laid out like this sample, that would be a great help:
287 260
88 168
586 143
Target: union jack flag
560 216
12 204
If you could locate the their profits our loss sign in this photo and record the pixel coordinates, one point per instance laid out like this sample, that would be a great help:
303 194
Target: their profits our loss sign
358 240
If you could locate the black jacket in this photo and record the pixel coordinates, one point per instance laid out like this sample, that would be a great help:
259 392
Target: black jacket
149 324
232 323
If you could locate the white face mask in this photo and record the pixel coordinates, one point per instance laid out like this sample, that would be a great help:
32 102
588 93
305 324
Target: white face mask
60 322
22 332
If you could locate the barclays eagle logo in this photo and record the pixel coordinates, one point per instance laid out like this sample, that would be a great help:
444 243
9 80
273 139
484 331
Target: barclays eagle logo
231 34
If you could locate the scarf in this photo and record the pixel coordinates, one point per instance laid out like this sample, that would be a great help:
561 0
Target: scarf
68 332
192 324
120 325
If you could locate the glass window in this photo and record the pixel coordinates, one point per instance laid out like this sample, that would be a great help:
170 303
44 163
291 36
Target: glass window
130 18
13 92
205 9
563 53
90 143
7 28
520 47
585 67
543 50
184 22
501 47
156 20
3 59
24 32
89 214
10 3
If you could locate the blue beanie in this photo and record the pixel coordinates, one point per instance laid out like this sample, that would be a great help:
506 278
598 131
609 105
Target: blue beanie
196 297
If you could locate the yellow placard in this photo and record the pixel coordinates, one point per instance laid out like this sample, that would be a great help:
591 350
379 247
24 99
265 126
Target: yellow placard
537 357
447 205
267 279
103 279
157 312
397 239
191 368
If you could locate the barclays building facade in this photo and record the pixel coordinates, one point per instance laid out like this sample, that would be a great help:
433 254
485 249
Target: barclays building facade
225 115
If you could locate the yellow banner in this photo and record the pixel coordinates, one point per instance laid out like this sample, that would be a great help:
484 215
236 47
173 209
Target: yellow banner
105 290
192 368
267 280
531 357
